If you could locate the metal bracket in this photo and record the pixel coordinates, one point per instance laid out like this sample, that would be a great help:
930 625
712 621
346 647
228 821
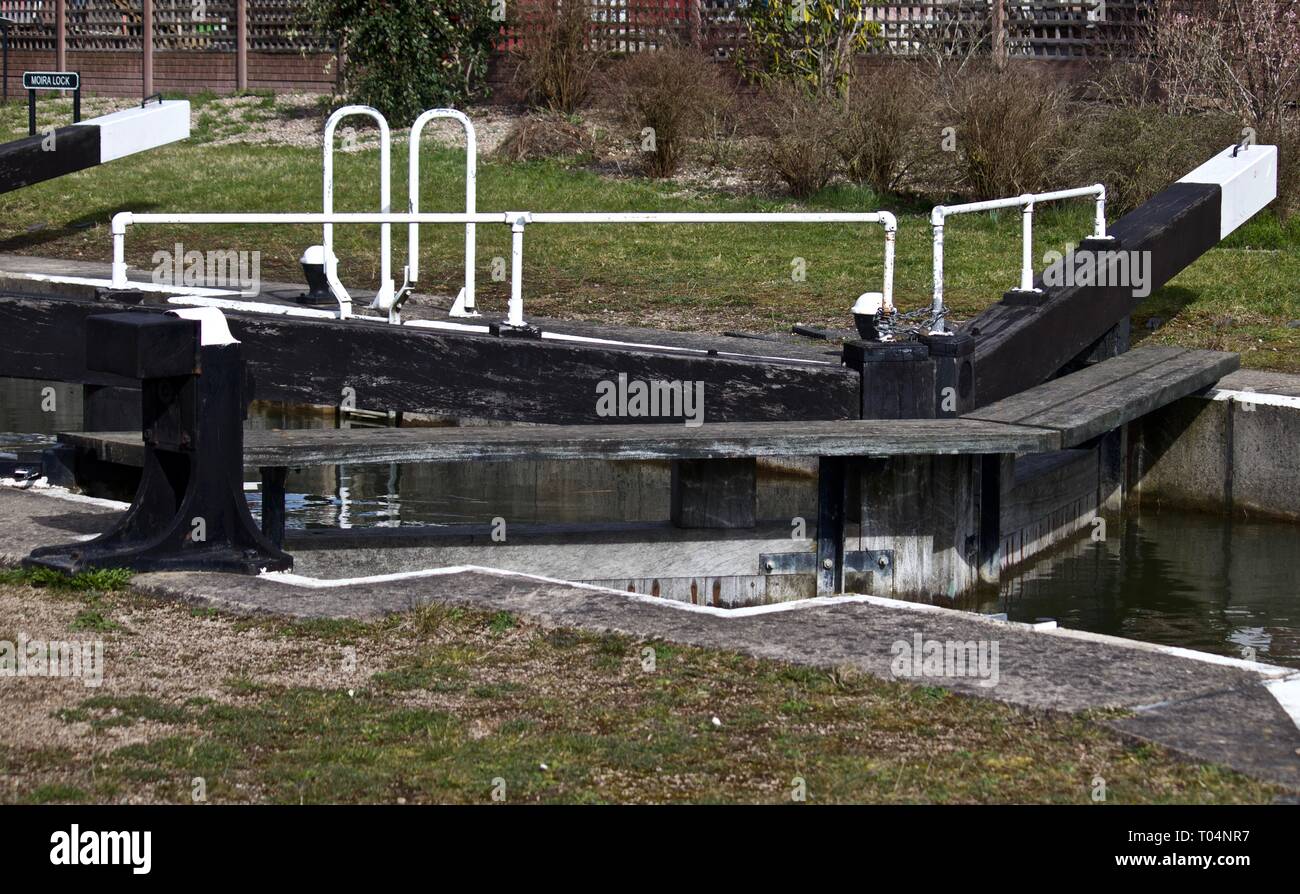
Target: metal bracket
855 561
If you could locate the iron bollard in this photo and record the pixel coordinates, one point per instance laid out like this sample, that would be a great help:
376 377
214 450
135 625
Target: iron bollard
189 513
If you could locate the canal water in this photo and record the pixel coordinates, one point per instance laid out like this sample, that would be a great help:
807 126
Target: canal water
1226 586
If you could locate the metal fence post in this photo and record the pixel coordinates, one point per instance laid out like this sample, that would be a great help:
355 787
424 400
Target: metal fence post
999 31
61 35
4 34
146 36
241 45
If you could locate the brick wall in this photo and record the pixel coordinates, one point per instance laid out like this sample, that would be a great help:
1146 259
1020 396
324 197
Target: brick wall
112 73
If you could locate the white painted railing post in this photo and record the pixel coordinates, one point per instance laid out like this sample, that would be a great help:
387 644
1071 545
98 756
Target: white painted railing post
120 222
464 304
1027 249
936 302
1099 223
890 224
515 312
1026 204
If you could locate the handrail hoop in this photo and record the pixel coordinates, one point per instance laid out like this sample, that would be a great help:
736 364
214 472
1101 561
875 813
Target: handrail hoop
384 298
464 304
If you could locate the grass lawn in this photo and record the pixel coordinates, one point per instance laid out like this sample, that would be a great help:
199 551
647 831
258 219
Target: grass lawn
1240 296
444 705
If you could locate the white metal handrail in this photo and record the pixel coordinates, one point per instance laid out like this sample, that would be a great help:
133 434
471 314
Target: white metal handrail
464 304
387 289
1026 204
516 220
885 218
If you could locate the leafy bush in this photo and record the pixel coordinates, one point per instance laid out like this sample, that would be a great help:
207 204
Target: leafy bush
555 66
802 150
668 96
1008 131
405 56
811 42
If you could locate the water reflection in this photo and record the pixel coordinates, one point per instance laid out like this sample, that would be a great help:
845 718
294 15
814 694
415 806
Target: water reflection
1183 579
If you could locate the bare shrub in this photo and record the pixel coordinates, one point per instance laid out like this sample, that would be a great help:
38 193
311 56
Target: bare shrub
1230 61
1238 56
1008 130
555 65
1287 142
1136 152
545 135
669 97
878 129
801 150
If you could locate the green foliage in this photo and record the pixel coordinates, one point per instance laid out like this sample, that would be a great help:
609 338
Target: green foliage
405 56
809 41
501 622
96 580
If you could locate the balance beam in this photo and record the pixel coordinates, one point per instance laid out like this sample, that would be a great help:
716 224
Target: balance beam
91 143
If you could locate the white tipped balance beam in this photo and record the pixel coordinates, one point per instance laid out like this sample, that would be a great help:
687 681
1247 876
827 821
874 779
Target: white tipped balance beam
137 130
1247 179
92 142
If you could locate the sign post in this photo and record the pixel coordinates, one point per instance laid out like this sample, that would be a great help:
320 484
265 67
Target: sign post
4 35
64 81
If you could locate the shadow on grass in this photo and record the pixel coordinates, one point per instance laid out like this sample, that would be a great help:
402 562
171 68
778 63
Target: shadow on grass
47 234
1156 311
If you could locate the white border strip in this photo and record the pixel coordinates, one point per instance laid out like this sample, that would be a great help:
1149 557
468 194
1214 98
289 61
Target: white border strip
43 487
196 291
1267 670
259 307
1287 693
1257 398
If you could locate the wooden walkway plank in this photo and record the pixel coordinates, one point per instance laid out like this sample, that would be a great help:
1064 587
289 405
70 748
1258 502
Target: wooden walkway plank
1105 396
871 437
1027 403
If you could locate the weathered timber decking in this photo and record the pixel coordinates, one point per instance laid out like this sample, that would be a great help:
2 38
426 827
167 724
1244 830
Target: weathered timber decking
1103 397
462 374
869 437
1062 413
